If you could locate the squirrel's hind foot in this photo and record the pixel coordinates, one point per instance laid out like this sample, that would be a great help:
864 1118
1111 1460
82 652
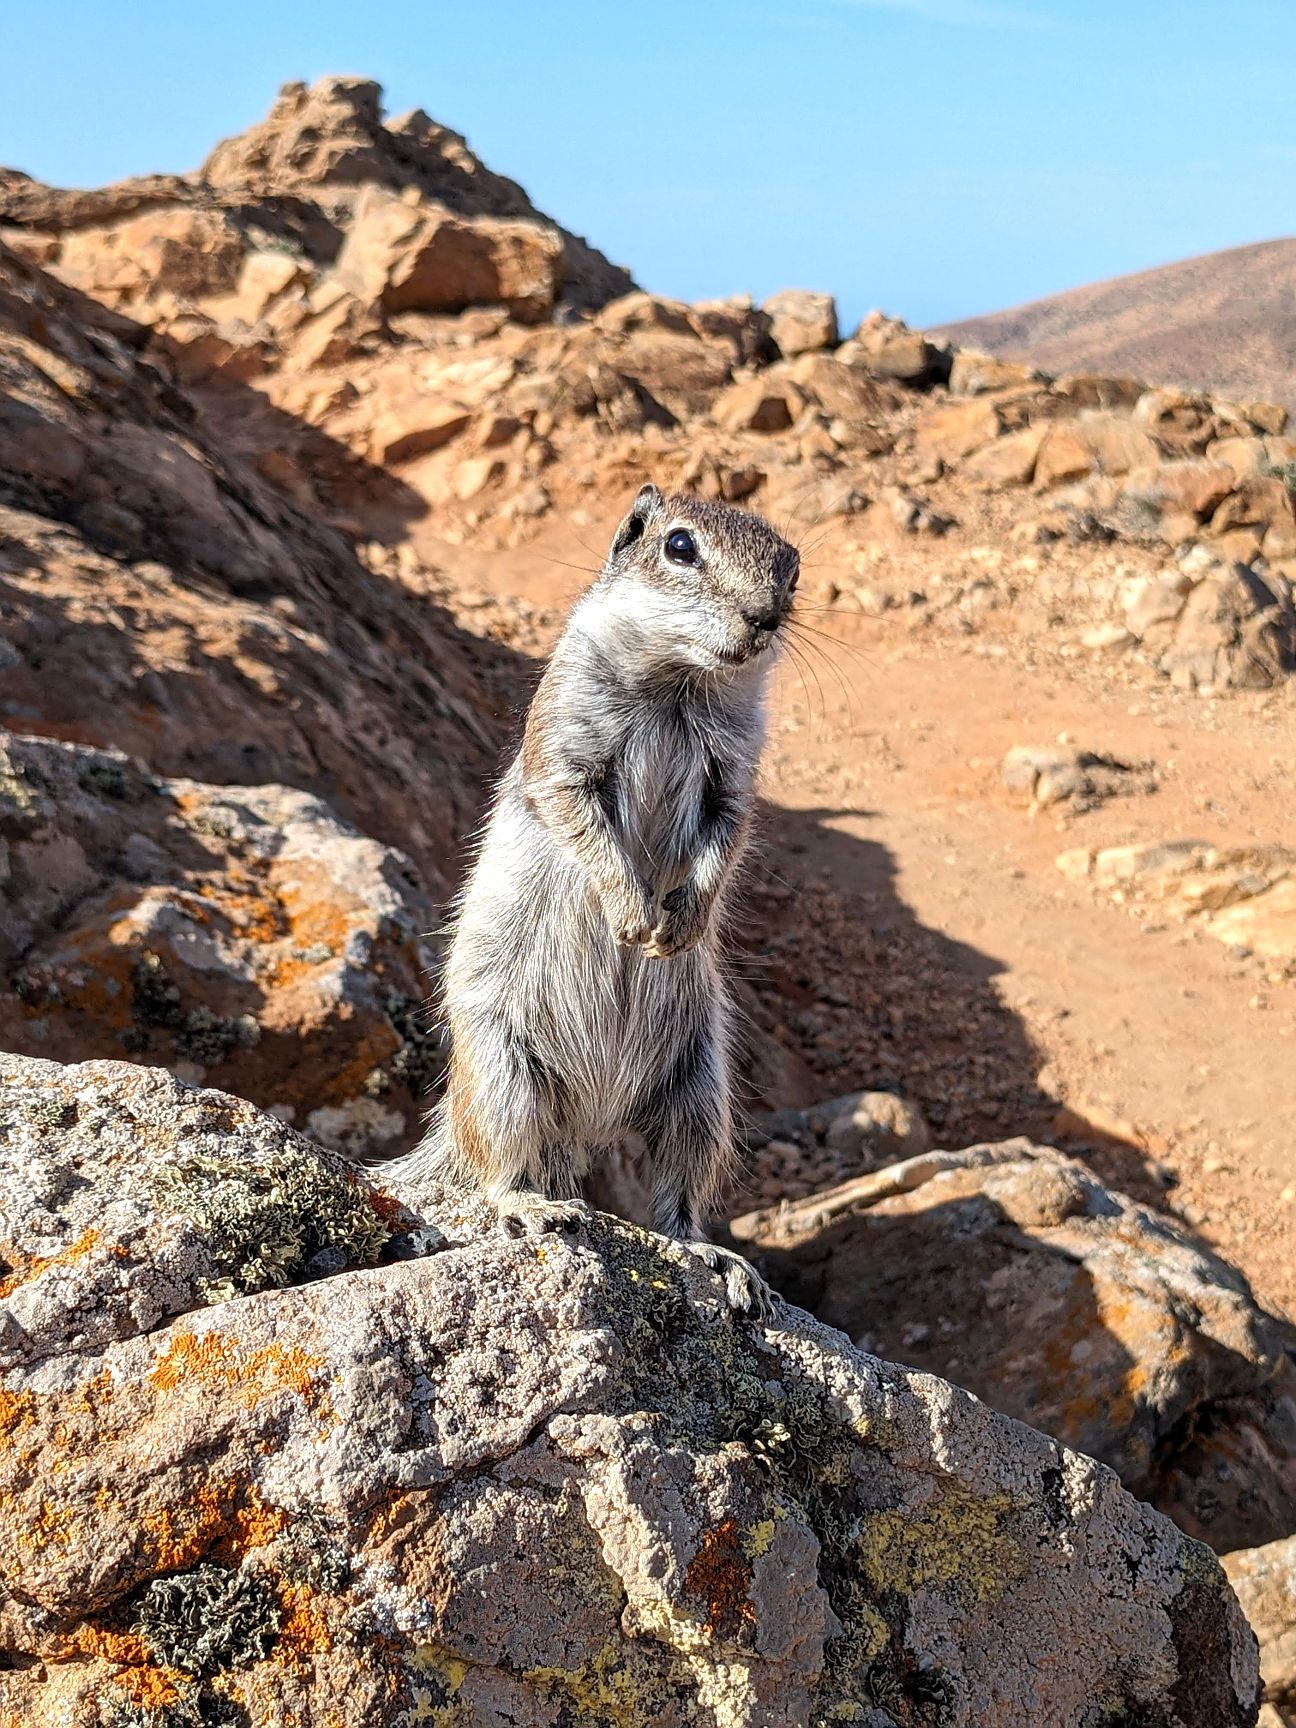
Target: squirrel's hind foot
524 1213
746 1290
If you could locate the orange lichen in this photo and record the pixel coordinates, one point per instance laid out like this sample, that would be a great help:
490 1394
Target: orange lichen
17 1411
221 1520
148 1688
38 1263
211 1359
305 1629
721 1576
127 1649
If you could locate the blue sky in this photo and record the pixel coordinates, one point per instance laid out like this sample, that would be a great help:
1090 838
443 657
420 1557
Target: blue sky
936 158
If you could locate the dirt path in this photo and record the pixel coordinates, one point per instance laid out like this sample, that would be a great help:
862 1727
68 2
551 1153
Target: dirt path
911 927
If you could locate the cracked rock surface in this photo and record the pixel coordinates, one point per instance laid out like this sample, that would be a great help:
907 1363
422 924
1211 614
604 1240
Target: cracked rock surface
540 1481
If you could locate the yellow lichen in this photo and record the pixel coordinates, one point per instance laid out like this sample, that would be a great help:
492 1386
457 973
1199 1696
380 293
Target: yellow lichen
957 1543
603 1686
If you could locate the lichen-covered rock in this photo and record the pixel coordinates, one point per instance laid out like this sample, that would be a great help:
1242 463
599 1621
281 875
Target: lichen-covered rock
540 1481
1011 1270
242 932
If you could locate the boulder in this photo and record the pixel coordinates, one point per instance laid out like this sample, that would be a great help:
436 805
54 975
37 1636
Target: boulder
973 374
741 328
1181 423
888 348
1237 630
801 321
1012 1271
487 1479
956 429
407 257
1242 895
242 932
1094 442
1156 601
1096 390
1009 461
757 405
681 371
188 253
1264 1580
1053 774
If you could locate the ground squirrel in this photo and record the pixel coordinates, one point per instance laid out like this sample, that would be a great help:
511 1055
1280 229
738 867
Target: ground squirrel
583 989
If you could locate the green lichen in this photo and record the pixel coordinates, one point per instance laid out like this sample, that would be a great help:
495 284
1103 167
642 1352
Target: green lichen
211 1618
265 1221
208 1037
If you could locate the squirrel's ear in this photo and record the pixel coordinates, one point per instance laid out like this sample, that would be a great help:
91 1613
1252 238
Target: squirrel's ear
647 498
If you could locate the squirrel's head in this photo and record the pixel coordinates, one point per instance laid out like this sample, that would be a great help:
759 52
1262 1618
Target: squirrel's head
708 585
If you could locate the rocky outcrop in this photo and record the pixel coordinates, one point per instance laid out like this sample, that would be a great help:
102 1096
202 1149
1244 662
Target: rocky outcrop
322 173
546 1480
1014 1272
239 932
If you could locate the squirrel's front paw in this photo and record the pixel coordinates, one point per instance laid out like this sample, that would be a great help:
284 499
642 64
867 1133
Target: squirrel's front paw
681 927
630 916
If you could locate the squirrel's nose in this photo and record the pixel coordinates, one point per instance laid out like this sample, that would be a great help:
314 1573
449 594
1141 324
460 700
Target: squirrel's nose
762 618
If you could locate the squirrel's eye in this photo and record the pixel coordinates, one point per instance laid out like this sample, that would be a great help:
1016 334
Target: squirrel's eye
681 548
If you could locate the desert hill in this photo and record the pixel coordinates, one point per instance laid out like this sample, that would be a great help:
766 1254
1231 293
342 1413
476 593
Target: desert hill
1225 321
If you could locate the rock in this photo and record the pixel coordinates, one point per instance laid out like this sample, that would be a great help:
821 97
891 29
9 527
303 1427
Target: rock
637 312
409 428
1264 1580
1156 600
801 321
241 932
957 429
1008 461
1095 390
867 1129
1197 488
1085 778
755 405
1094 442
407 258
1270 417
537 1481
183 252
682 372
742 329
973 374
1181 423
1241 454
888 348
1236 630
1011 1270
1244 896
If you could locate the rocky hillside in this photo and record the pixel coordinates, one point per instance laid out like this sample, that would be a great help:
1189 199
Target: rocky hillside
1221 322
